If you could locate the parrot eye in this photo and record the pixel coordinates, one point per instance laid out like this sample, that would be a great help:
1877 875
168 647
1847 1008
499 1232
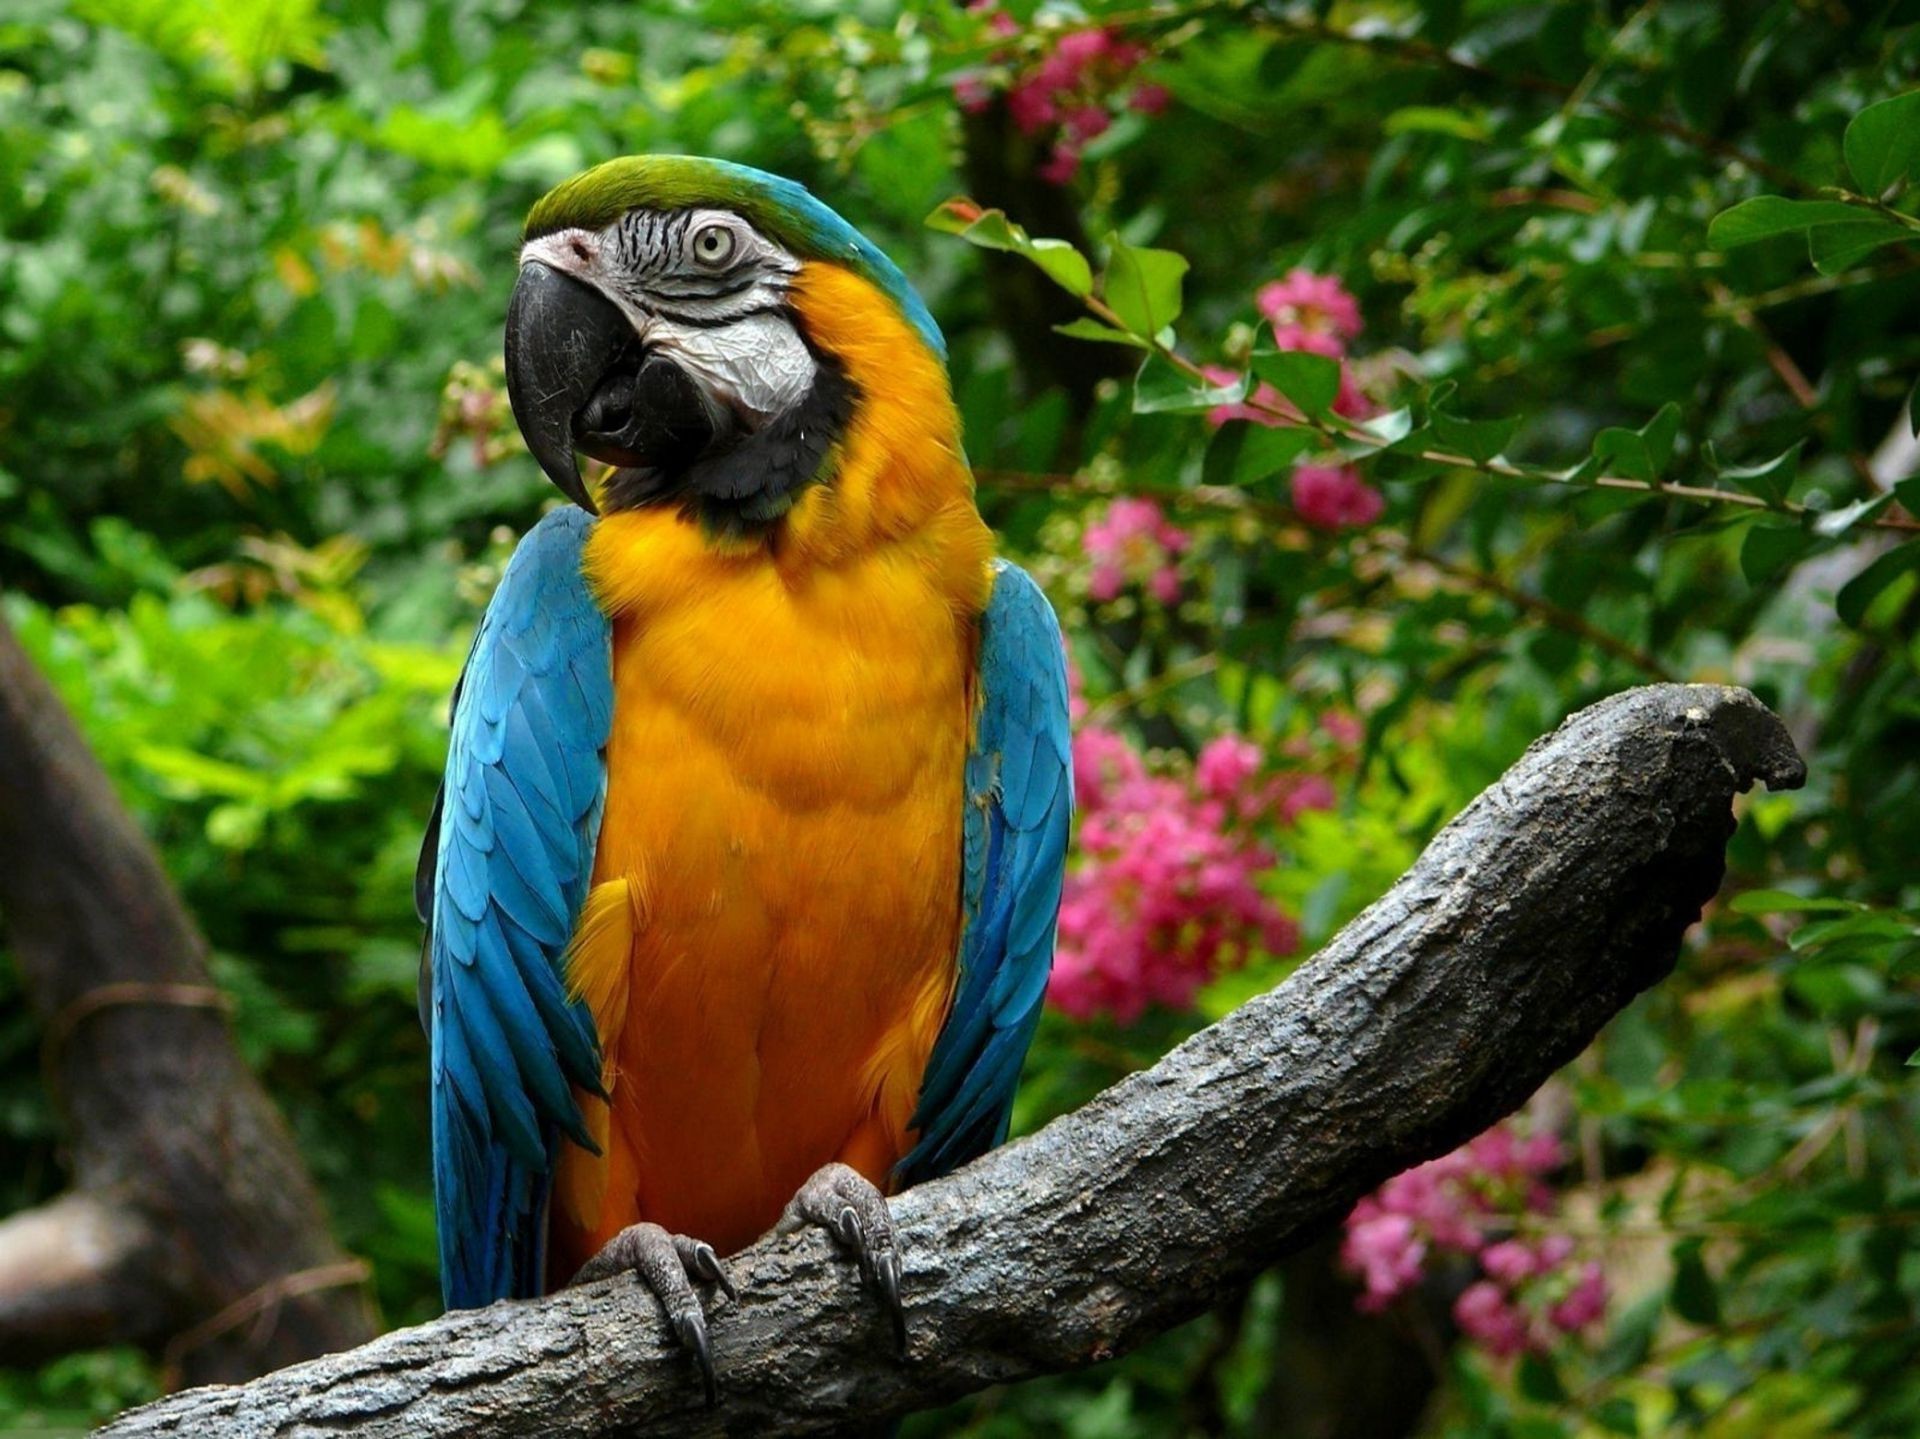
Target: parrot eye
713 246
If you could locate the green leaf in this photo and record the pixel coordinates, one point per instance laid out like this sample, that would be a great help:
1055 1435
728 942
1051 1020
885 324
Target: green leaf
1064 265
1091 329
1835 523
1769 550
1772 479
1864 588
1437 120
1693 1295
1624 453
1479 440
1640 454
1393 427
1832 248
1539 1381
1765 216
1660 432
1143 286
1312 382
992 230
1780 901
1882 144
1907 492
1245 453
989 229
1617 1415
1267 450
1162 387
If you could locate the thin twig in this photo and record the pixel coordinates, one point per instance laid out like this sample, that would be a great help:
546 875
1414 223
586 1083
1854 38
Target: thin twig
1222 498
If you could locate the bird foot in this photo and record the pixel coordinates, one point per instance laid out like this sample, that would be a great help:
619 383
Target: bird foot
668 1264
840 1200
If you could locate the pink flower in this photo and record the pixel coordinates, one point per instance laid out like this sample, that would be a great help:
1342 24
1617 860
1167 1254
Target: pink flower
1343 729
1332 499
1133 540
1553 1251
1225 765
1509 1261
1386 1252
1062 165
1087 122
1585 1303
1482 1311
1166 894
1069 94
1305 792
972 93
1318 303
1465 1206
1031 105
1082 48
1105 766
1149 99
1541 1153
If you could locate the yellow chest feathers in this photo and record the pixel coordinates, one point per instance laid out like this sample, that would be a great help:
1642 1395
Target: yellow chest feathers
810 686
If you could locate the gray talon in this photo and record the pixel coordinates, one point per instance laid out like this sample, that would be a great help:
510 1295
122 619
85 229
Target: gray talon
665 1264
692 1329
841 1201
706 1265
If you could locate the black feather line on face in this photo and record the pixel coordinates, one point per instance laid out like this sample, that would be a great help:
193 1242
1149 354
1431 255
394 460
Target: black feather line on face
749 487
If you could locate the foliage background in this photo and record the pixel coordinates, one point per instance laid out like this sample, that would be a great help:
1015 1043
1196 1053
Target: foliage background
255 485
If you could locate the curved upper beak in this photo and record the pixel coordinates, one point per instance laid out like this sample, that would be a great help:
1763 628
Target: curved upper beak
579 379
563 336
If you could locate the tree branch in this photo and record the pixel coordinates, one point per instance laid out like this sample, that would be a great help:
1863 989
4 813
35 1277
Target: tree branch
72 1271
1558 895
190 1198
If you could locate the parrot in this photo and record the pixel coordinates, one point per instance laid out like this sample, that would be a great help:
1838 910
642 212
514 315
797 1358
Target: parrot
742 881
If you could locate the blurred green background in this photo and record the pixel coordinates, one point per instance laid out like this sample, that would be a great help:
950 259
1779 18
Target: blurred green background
256 482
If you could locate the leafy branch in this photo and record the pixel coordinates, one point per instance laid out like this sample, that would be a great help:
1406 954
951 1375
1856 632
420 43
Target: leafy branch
1136 301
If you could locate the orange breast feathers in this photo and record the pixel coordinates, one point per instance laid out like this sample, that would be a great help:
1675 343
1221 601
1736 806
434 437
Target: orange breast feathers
769 946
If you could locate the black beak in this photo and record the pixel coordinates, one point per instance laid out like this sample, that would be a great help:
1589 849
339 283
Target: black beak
578 379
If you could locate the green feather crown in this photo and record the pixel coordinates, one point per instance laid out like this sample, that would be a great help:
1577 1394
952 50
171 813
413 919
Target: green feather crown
781 209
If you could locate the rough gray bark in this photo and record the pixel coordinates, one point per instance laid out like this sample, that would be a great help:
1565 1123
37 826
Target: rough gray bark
193 1228
1557 896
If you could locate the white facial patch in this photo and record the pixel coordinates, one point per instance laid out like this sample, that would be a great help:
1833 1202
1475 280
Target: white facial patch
758 366
705 289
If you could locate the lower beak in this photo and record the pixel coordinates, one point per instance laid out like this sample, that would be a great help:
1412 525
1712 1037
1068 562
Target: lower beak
578 379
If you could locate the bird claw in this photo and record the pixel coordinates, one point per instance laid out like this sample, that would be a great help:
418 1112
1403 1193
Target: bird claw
840 1200
667 1264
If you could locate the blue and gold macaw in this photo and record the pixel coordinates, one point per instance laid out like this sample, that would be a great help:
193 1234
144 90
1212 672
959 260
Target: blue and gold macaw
743 880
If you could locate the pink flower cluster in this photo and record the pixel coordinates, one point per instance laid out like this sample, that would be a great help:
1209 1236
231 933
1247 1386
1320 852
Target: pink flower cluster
1133 541
1070 92
1330 497
1468 1203
1315 314
1166 895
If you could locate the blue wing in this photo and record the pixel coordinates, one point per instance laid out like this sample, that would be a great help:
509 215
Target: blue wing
505 869
1019 797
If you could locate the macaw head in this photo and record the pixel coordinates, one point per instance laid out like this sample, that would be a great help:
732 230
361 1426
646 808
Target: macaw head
706 328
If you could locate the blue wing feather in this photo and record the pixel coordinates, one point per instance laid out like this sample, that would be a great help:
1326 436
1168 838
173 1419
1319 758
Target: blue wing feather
1019 798
510 855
